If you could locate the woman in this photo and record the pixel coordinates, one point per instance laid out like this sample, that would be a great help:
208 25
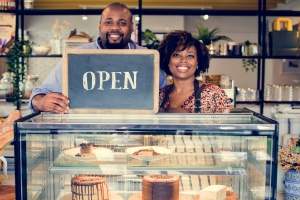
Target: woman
184 58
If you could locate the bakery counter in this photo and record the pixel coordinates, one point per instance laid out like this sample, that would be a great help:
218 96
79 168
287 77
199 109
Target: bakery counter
65 156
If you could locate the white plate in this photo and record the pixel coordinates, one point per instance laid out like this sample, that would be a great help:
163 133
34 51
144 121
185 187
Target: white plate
101 154
163 153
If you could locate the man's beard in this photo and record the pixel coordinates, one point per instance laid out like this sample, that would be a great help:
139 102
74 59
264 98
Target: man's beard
119 45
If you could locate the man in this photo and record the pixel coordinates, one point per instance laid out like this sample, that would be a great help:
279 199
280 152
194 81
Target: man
115 30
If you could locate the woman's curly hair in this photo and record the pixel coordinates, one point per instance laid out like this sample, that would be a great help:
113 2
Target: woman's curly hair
179 40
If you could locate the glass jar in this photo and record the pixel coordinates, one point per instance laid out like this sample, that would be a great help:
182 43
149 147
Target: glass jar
268 92
6 85
29 85
278 92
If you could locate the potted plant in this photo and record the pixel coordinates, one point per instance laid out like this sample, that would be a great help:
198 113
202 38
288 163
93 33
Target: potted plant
209 36
17 63
150 40
249 63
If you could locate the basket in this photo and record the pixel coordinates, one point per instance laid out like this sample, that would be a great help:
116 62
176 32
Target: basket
213 78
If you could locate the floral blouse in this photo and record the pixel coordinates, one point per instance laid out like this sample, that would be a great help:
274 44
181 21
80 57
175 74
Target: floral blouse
213 100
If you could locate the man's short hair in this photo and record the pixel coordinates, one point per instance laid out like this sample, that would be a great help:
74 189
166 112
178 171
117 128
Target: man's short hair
120 5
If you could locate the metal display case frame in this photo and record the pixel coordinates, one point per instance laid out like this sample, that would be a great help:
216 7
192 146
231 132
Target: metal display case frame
256 147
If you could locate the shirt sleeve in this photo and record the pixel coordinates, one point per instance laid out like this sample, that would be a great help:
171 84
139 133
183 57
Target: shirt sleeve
162 79
53 83
214 100
223 102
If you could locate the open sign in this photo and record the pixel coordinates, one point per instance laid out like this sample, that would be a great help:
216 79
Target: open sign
111 81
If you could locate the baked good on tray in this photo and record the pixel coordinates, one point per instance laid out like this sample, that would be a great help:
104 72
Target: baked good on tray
146 152
86 150
217 192
89 187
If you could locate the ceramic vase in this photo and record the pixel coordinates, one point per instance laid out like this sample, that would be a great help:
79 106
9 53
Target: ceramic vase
292 185
56 46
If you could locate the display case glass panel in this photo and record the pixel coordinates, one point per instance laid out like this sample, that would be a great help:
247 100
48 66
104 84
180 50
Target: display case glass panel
236 150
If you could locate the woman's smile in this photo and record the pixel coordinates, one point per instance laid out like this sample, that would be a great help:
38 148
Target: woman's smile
183 68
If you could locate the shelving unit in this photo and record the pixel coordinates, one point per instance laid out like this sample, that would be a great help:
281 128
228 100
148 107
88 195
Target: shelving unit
261 13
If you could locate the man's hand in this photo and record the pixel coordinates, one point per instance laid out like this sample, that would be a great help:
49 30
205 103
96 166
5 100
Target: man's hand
51 102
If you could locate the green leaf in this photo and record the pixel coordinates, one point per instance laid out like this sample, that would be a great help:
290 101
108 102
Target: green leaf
208 36
17 64
150 39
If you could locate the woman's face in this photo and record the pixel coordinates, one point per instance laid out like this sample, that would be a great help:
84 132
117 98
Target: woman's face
183 64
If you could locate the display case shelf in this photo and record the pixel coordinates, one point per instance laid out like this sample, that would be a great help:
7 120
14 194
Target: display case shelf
207 163
33 158
34 194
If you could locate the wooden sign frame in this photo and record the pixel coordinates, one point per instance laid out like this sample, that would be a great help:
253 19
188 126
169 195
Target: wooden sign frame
138 59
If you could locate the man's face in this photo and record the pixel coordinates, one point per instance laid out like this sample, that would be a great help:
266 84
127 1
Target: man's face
115 28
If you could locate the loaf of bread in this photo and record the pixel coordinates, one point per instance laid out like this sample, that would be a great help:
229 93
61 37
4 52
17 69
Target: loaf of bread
7 128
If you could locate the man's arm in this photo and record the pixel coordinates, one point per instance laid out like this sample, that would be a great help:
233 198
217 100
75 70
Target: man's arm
51 102
52 84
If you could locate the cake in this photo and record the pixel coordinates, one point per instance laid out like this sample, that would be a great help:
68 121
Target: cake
213 192
146 152
86 150
85 187
164 187
232 196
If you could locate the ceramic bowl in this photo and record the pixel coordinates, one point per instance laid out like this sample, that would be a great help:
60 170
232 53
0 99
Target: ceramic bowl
41 49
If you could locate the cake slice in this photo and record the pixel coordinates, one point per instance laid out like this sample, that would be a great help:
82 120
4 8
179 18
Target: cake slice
213 192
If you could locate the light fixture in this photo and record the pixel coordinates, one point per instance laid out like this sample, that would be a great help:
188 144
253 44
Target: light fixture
84 17
205 17
137 18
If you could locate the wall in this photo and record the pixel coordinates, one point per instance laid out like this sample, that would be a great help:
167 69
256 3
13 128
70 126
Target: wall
39 28
239 29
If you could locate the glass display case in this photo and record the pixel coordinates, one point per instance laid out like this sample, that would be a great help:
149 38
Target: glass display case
237 150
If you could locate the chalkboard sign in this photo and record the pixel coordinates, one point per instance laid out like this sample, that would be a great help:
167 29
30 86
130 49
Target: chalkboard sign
111 81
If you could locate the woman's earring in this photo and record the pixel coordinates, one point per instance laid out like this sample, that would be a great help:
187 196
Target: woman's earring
197 67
